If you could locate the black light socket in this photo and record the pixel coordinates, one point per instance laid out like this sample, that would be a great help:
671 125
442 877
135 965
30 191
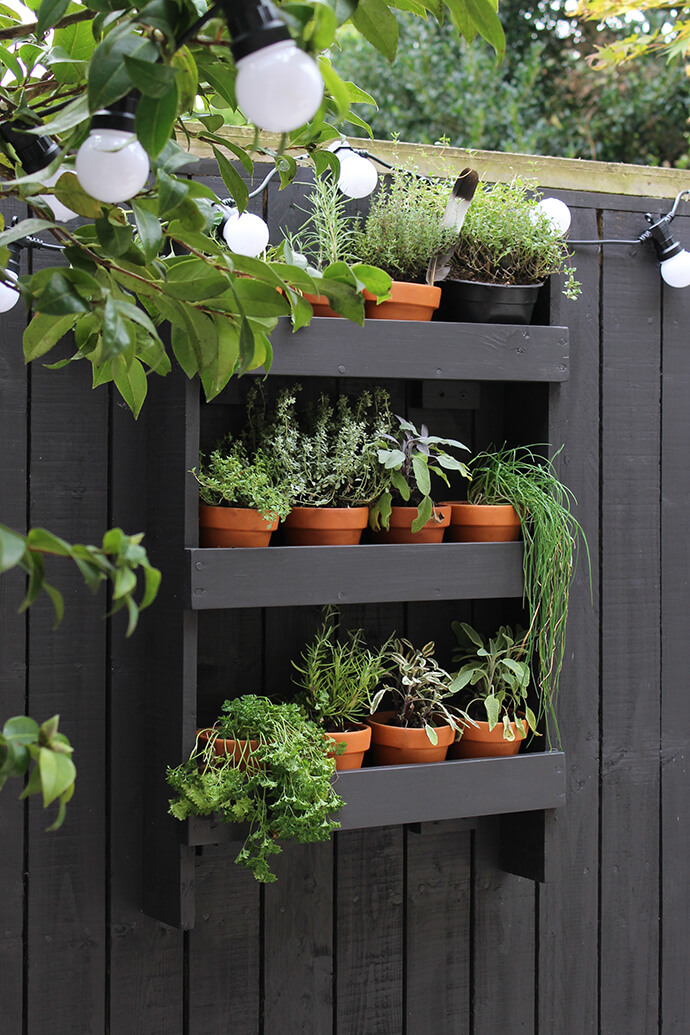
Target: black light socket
118 115
253 27
34 152
664 241
14 262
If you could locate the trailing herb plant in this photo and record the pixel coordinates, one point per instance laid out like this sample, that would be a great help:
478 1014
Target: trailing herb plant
551 535
338 677
507 239
327 453
281 788
414 457
229 476
47 753
495 677
404 226
420 691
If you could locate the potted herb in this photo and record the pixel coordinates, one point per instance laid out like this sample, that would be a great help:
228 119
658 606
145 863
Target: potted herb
506 249
529 483
403 230
337 678
242 497
325 246
280 785
405 513
327 453
422 725
495 677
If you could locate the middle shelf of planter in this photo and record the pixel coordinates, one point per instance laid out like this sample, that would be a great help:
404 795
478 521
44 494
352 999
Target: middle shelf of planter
279 576
389 795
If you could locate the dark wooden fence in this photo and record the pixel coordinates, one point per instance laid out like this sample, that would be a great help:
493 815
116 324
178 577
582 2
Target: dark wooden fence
391 929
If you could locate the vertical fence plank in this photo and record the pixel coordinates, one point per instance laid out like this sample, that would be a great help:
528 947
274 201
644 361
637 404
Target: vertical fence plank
369 932
675 603
66 914
145 957
14 388
224 948
630 635
298 942
437 952
568 907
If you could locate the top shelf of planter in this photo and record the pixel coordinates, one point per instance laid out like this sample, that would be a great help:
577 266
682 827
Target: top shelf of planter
425 351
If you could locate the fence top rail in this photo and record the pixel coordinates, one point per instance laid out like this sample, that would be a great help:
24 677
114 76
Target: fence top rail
573 174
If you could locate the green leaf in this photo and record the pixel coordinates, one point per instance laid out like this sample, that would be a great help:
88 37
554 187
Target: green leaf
46 542
23 229
70 116
493 708
335 85
424 513
372 278
49 14
21 729
421 474
171 193
131 382
232 180
151 78
70 192
431 733
60 297
149 230
378 25
483 18
109 79
44 331
57 772
155 119
114 238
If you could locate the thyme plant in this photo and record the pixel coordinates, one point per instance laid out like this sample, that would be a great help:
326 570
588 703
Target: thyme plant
403 229
551 534
338 677
282 788
326 452
507 239
230 476
495 676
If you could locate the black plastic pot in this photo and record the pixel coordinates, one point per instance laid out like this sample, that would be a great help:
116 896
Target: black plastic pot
472 302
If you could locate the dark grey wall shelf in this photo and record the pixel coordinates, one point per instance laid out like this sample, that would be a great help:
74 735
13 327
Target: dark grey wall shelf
285 575
388 795
428 351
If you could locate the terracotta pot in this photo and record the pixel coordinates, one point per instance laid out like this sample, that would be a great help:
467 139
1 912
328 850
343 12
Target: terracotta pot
474 302
396 745
239 750
480 743
407 302
357 742
234 526
325 526
321 306
483 523
400 530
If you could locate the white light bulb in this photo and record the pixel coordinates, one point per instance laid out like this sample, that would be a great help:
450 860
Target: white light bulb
676 271
358 176
556 211
60 211
279 87
112 165
9 296
245 234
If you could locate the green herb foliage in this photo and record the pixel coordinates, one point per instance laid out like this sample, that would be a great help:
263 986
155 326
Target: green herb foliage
551 534
329 234
338 677
495 676
403 229
230 476
326 452
281 788
507 239
420 691
414 457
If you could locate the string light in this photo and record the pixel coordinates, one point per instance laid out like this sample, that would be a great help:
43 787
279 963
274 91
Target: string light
35 154
112 166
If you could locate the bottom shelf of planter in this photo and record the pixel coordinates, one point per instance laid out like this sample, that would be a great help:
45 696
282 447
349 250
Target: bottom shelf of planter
389 795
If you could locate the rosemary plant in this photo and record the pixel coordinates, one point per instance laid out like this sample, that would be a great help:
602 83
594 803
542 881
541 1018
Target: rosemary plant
329 234
282 788
327 453
338 677
551 534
